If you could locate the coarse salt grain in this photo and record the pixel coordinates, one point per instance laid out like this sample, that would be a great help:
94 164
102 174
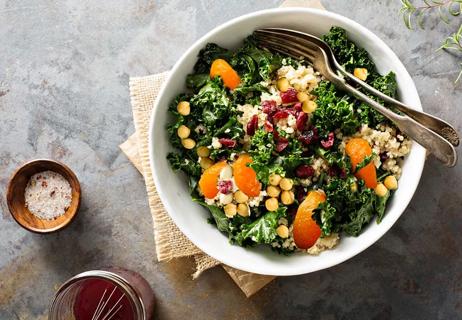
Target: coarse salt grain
48 195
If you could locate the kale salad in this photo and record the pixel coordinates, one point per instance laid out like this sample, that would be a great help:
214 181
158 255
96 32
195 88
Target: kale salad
277 154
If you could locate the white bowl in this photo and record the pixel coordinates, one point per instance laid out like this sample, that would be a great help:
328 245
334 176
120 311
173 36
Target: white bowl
191 218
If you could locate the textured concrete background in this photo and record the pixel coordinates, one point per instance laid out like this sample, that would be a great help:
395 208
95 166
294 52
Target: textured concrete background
64 68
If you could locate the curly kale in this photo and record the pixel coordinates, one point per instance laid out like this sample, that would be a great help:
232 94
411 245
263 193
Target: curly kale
335 110
348 210
262 230
262 147
350 56
207 55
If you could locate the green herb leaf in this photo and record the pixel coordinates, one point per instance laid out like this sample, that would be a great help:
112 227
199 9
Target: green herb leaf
365 162
218 216
262 230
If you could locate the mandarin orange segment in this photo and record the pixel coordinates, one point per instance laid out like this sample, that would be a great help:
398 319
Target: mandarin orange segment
245 177
229 76
209 180
305 229
358 149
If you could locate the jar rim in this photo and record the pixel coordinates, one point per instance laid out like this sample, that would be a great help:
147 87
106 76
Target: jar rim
116 279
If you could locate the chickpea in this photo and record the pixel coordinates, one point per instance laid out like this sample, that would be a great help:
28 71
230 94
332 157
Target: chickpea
391 183
360 73
183 108
226 198
354 187
242 210
206 163
287 197
240 197
188 143
302 96
381 190
273 191
183 131
309 106
282 231
230 210
283 84
274 179
272 204
286 184
203 152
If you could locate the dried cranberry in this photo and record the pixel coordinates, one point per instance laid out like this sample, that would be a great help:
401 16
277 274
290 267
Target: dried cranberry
332 171
308 137
281 114
342 173
281 143
268 126
301 120
228 143
304 171
298 106
252 125
383 156
327 144
225 187
289 96
300 193
291 213
268 106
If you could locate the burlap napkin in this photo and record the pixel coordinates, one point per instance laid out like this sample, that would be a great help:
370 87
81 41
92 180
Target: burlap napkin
170 241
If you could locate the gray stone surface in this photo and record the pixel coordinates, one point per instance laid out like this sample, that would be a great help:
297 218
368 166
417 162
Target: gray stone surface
64 68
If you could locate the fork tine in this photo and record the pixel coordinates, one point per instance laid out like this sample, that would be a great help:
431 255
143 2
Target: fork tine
301 46
282 36
276 46
276 42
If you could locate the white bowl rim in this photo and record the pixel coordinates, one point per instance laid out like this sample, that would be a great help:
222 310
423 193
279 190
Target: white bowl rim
235 263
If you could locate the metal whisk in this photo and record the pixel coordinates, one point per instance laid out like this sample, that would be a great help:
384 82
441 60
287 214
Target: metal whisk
100 313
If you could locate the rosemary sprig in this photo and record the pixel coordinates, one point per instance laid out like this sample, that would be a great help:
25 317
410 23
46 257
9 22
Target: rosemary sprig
454 43
445 9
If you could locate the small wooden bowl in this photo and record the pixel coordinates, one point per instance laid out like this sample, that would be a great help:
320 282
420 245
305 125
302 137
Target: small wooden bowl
16 202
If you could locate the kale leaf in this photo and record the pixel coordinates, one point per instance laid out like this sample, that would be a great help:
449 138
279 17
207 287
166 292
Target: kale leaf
218 216
262 230
189 166
346 52
335 110
348 210
381 205
350 56
206 56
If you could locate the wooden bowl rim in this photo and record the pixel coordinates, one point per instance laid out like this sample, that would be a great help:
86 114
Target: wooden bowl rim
72 175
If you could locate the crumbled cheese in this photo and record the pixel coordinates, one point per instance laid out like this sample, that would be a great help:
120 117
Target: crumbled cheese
200 129
255 201
215 143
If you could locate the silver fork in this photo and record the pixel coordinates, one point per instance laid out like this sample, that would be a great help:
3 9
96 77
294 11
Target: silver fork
438 125
291 44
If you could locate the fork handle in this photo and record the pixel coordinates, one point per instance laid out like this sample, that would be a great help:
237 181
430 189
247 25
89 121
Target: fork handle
441 148
438 125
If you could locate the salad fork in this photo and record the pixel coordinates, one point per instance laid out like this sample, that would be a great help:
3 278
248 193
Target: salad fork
297 44
433 123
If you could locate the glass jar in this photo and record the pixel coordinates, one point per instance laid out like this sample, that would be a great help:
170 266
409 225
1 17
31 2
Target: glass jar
114 293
